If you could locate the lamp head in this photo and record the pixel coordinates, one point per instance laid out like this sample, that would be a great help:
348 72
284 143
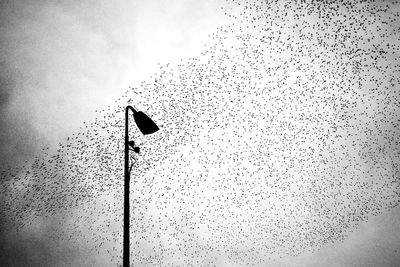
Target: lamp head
144 123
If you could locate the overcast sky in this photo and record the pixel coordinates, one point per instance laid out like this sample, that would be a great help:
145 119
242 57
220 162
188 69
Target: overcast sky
278 133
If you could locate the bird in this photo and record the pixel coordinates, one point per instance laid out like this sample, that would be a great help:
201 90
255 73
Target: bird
277 139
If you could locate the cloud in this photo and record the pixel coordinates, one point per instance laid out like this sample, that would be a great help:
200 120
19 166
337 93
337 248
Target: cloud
62 60
253 128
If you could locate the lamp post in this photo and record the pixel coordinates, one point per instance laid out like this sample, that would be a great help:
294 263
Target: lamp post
146 126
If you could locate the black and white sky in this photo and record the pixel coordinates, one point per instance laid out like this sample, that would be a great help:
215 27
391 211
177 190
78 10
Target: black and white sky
278 143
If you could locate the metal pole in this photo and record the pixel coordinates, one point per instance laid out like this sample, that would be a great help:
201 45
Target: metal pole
126 252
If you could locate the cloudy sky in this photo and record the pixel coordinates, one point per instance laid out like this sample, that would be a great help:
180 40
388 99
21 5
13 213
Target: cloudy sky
278 143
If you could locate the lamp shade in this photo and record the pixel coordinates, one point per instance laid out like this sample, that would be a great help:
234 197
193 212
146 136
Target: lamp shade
144 123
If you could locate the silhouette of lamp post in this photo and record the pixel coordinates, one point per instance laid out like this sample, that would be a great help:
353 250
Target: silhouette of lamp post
146 126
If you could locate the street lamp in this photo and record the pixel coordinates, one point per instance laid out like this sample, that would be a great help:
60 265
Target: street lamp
146 126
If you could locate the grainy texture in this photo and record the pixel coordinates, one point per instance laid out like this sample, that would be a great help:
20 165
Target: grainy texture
279 138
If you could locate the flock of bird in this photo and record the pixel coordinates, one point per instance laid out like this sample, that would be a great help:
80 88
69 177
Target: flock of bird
280 137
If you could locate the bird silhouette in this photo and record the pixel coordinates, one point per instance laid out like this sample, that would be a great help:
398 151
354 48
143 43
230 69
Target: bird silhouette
279 138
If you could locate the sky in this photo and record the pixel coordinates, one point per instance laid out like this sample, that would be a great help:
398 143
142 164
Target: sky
278 120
